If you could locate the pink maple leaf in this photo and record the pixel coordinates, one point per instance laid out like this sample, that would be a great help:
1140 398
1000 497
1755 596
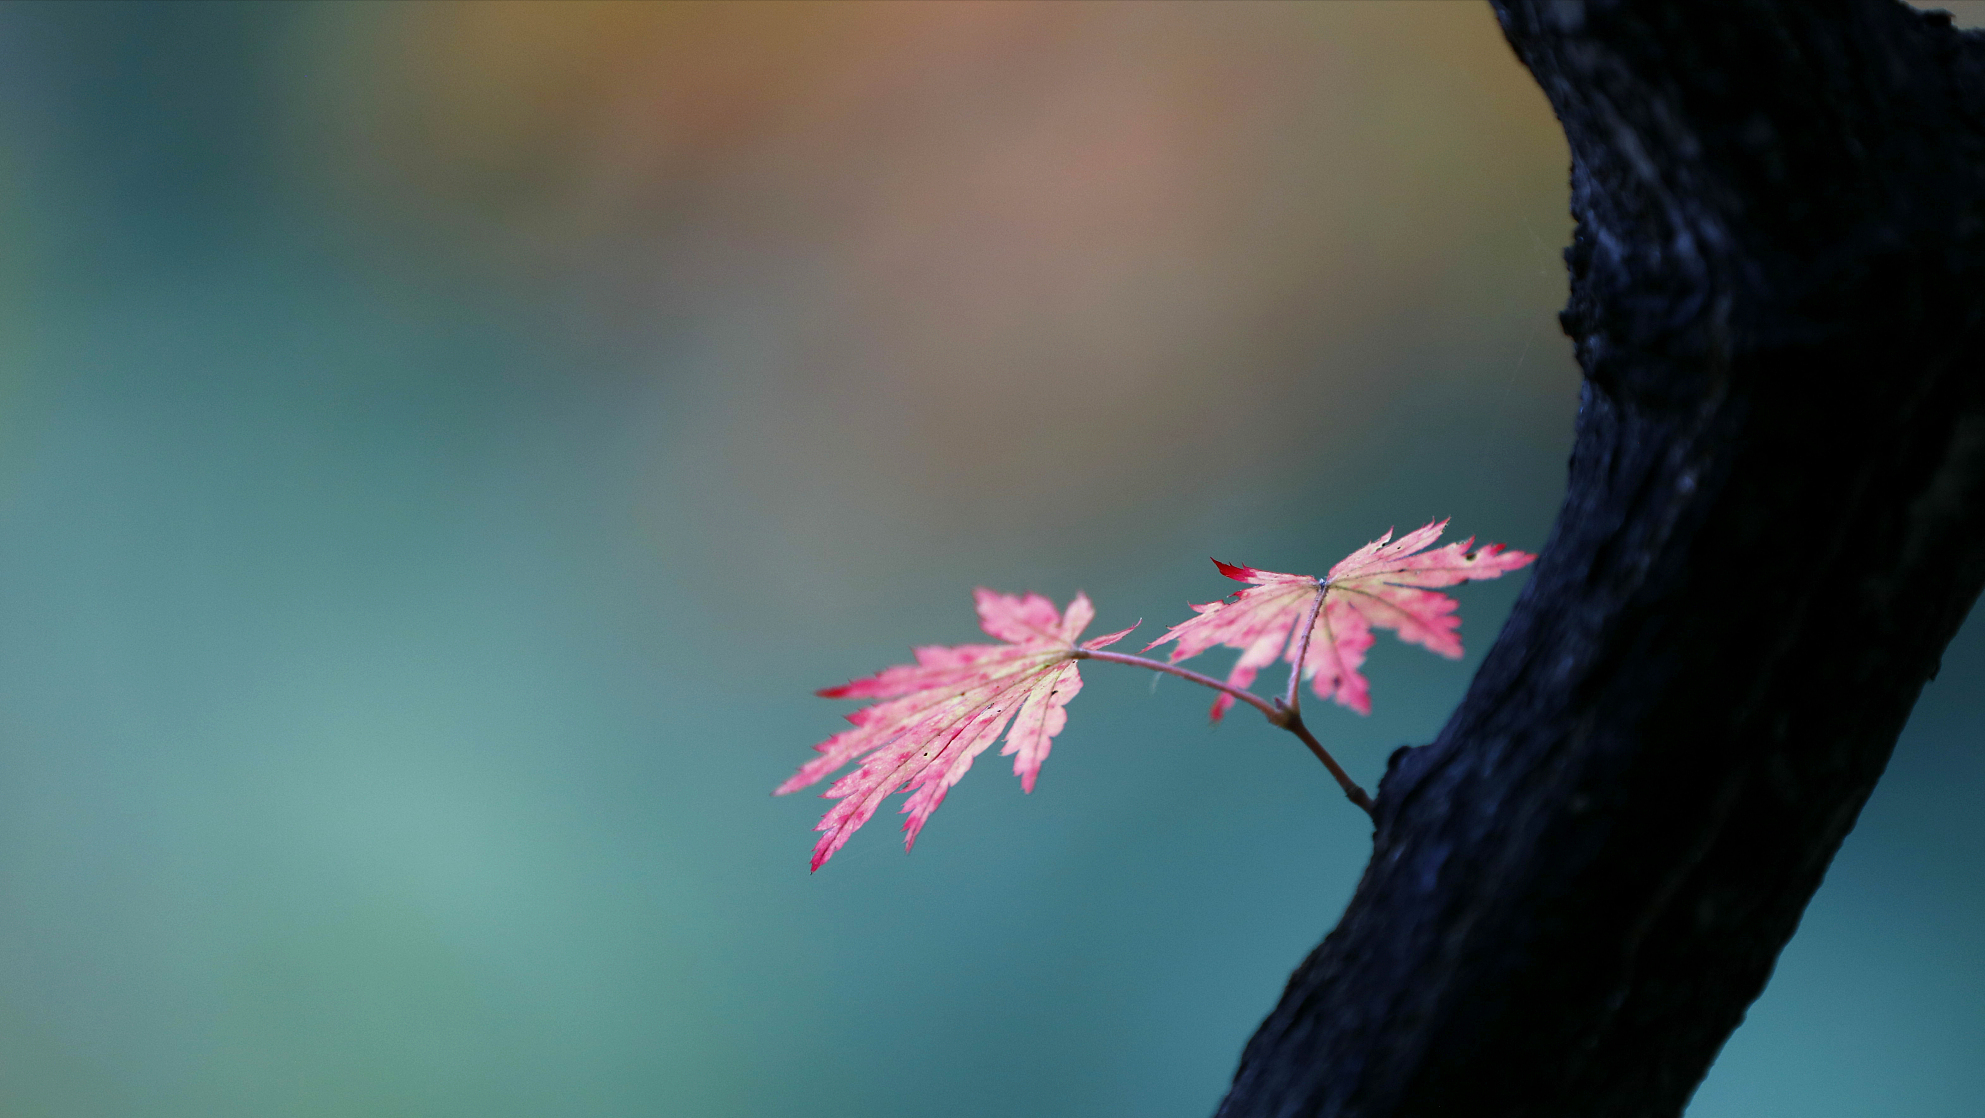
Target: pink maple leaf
944 710
1382 585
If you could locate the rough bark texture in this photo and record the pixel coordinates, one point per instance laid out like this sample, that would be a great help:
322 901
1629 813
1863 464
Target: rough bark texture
1775 522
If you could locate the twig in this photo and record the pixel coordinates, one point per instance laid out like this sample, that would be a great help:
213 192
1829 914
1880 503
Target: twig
1351 790
1278 713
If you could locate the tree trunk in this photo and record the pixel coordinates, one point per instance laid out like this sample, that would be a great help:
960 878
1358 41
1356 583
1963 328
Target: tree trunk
1774 523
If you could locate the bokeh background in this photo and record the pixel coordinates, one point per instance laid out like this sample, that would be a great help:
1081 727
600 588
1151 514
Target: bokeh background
443 445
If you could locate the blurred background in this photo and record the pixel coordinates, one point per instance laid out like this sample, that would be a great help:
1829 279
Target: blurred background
442 446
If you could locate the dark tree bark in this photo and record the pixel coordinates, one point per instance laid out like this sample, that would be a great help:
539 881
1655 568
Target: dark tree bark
1775 521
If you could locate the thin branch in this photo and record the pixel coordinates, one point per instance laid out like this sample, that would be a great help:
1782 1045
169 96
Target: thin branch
1293 700
1351 790
1278 714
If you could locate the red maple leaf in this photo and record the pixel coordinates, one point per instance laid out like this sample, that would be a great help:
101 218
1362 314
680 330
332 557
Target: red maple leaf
1381 585
945 709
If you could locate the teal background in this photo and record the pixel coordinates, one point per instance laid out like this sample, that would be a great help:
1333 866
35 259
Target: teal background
442 447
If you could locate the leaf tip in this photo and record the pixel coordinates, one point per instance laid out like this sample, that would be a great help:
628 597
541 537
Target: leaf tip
1108 639
1221 706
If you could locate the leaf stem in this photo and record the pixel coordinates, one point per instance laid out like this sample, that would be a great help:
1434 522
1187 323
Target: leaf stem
1250 698
1278 713
1294 699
